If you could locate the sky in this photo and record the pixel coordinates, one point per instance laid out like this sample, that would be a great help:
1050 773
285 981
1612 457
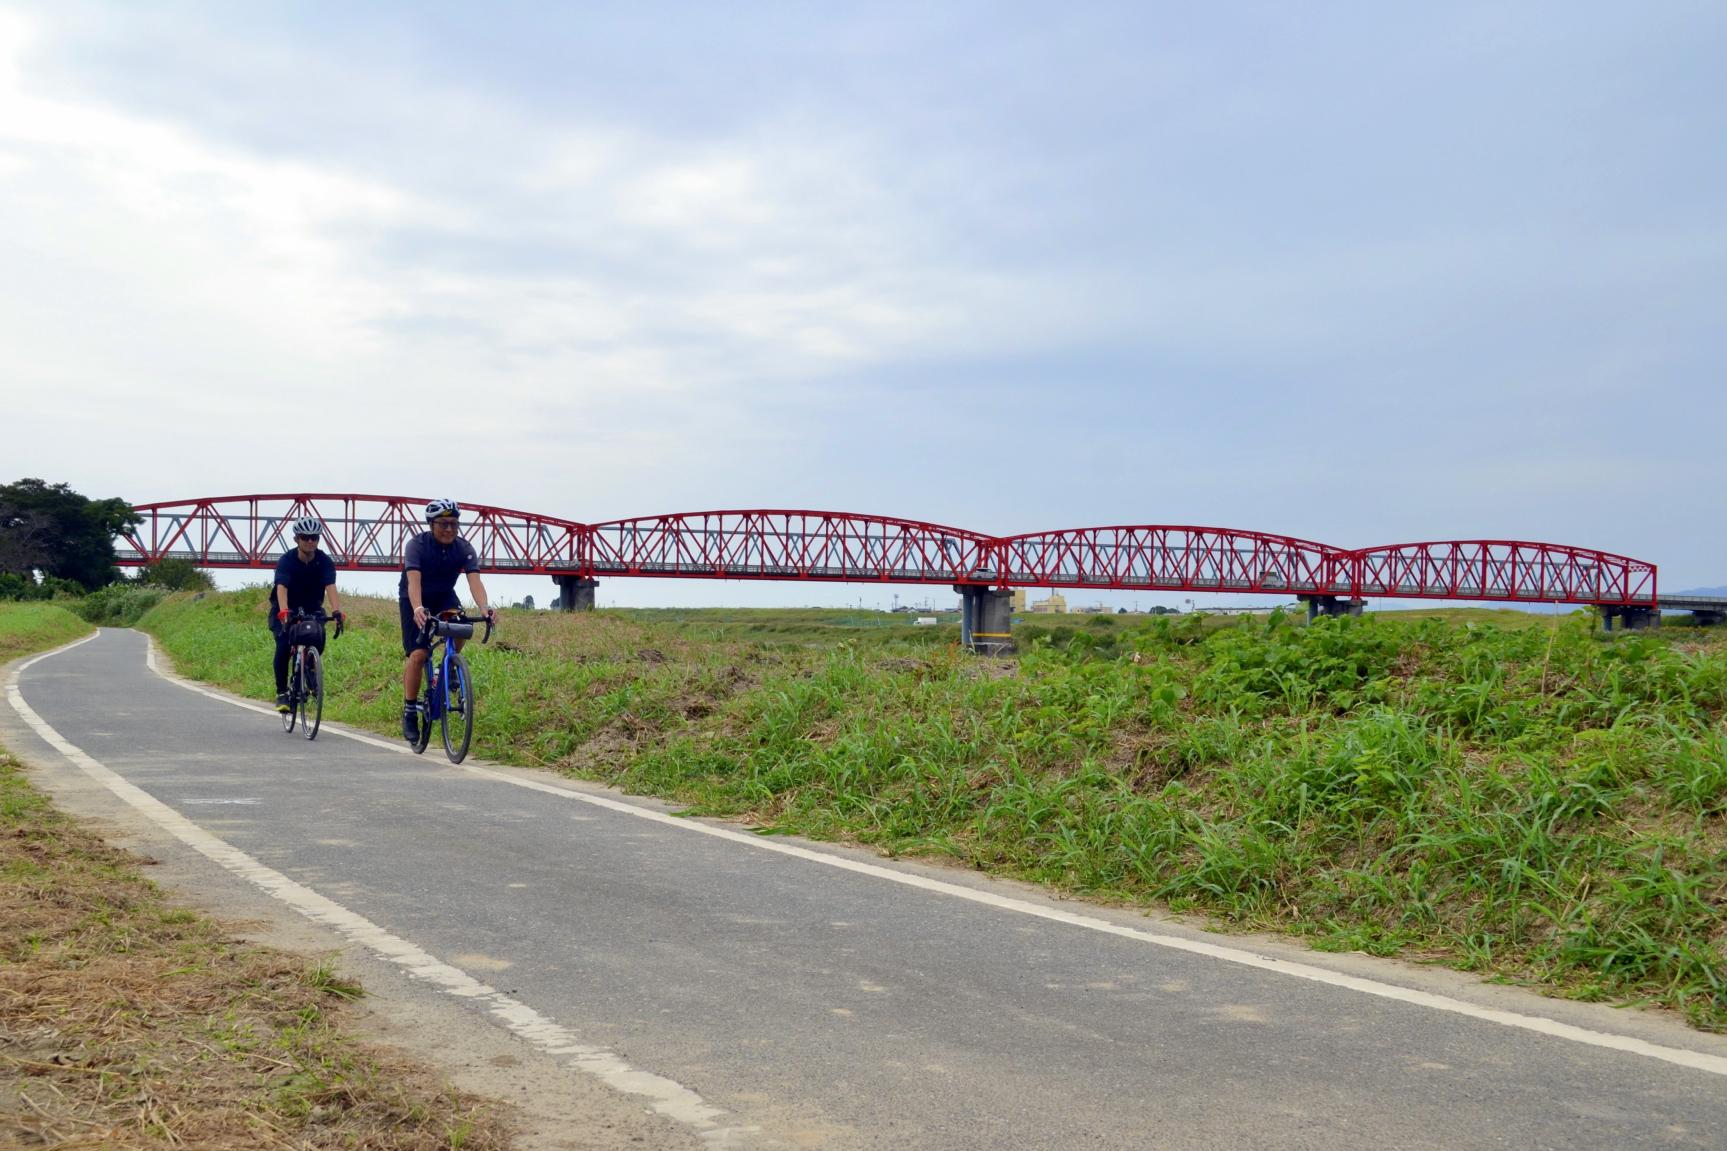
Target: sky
1359 273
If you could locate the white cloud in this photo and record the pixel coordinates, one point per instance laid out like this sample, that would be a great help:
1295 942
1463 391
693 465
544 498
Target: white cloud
685 286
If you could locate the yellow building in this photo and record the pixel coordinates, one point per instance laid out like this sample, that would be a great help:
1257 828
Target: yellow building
1056 604
1018 599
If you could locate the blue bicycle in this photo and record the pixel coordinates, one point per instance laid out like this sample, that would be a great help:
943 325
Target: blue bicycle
448 696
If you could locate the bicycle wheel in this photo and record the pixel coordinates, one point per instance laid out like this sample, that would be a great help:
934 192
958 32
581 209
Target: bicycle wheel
312 710
293 691
458 717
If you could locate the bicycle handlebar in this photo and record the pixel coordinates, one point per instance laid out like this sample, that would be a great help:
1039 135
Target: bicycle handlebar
320 616
460 627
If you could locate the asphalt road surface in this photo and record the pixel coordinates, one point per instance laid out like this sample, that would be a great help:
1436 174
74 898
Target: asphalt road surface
750 991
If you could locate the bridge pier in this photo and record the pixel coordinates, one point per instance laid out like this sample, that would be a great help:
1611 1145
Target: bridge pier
575 593
1318 605
1709 617
986 619
1633 618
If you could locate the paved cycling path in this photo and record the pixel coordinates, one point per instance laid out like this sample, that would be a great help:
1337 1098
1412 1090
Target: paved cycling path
761 992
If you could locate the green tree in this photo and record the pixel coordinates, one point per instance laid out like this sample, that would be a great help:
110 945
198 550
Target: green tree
51 528
177 575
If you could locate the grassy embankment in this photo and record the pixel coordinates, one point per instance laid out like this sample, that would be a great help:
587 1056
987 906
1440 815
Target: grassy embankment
28 627
126 1022
1541 804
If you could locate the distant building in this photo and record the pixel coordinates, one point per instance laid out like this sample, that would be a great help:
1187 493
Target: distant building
1056 604
1018 599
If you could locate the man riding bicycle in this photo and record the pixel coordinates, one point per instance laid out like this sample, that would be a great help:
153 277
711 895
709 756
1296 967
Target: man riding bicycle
303 575
433 560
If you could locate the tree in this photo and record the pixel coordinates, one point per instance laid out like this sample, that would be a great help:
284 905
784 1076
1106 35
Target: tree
23 542
51 528
177 575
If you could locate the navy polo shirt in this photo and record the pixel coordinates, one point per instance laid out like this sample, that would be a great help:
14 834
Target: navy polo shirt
439 568
305 581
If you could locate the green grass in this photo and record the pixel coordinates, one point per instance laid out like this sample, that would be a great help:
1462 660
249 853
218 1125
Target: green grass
1538 803
34 626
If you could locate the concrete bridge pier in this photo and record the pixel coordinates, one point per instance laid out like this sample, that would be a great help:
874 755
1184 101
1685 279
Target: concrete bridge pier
986 619
1708 617
1318 605
1632 618
576 593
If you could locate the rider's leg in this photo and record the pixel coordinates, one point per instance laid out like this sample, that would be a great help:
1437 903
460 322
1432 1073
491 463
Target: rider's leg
415 647
280 664
413 670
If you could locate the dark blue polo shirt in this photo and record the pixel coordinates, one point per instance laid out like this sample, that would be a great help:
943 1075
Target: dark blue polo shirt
439 568
305 581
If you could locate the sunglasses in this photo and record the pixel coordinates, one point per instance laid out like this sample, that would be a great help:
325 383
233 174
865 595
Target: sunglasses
303 539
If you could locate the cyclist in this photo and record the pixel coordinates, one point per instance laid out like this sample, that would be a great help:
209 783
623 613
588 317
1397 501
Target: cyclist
303 575
430 565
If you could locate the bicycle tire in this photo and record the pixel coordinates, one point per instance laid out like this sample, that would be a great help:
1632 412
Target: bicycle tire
293 691
312 710
458 709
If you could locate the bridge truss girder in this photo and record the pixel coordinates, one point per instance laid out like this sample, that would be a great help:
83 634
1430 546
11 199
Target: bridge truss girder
369 533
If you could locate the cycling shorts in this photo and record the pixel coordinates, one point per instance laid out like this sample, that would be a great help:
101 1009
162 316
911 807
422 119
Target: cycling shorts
412 640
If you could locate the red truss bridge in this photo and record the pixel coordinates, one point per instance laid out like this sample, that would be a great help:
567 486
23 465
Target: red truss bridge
369 533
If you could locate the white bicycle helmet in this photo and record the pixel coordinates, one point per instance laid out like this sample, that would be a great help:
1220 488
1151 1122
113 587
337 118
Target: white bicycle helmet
308 526
438 509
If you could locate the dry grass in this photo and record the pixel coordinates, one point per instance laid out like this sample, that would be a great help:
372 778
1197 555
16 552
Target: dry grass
126 1022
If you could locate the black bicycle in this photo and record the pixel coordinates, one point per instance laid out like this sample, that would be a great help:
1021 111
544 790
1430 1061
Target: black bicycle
448 695
306 670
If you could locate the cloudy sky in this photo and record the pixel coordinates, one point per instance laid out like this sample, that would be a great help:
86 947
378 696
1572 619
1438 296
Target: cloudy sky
1342 271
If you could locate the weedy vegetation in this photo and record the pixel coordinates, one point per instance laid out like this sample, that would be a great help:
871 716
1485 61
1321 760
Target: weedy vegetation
1538 803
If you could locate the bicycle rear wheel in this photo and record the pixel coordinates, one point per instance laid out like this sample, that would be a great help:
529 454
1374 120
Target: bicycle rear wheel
312 695
293 691
458 718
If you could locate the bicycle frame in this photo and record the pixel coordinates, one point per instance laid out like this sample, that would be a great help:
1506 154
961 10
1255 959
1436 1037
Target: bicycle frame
445 633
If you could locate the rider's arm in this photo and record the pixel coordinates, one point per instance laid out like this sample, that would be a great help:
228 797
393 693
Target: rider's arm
279 593
329 567
414 597
482 603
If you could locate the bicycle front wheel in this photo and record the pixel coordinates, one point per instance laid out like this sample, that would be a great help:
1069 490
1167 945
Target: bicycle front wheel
293 692
458 717
312 709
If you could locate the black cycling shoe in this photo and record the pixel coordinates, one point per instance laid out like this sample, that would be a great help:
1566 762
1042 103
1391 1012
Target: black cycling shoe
282 704
411 725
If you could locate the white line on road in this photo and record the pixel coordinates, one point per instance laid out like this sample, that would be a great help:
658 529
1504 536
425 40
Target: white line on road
1696 1060
673 1100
